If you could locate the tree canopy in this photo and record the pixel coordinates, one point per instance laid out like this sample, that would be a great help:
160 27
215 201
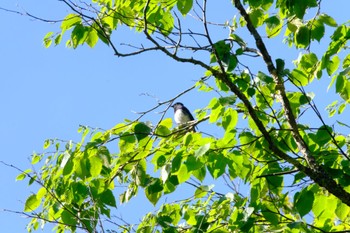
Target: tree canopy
295 171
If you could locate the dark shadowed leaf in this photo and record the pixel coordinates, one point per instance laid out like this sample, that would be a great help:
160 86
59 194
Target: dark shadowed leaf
304 201
184 6
108 198
302 37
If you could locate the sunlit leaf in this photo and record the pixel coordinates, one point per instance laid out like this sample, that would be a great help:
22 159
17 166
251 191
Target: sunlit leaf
48 39
342 210
300 78
333 65
21 176
95 165
257 17
183 174
202 150
328 20
69 21
32 203
92 37
273 26
201 191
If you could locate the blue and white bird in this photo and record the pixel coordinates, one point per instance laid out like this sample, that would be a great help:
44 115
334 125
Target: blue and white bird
182 115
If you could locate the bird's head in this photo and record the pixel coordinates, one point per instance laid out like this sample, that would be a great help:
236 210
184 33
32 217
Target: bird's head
177 105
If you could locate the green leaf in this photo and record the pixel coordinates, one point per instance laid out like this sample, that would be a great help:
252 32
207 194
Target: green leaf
68 168
216 113
21 176
41 193
47 144
48 39
190 217
68 218
221 85
302 37
223 52
183 174
164 127
308 62
141 130
154 191
322 135
333 65
340 83
271 217
230 119
200 173
265 78
108 198
187 140
202 191
216 164
257 17
346 61
95 165
193 163
300 8
299 77
273 26
32 203
169 186
70 21
304 201
202 150
81 167
184 6
36 158
79 35
92 37
103 33
127 142
230 62
342 210
58 39
317 30
341 108
324 206
328 20
345 94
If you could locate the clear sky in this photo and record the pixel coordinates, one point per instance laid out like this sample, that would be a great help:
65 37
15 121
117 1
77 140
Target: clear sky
48 93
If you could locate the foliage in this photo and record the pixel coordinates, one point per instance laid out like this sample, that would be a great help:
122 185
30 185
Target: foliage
297 171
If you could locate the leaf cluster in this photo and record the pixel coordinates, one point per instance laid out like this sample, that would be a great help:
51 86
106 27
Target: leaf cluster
282 172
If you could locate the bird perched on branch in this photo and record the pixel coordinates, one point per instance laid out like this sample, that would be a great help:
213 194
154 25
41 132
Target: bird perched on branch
182 115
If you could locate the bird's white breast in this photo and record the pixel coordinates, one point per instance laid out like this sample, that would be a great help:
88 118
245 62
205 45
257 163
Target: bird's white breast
180 117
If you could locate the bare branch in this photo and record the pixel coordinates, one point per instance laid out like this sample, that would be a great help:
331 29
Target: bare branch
25 13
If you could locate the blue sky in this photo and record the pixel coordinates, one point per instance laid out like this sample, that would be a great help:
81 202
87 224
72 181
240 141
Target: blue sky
48 93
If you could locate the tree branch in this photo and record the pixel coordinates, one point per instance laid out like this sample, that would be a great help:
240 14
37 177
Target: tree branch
278 173
315 172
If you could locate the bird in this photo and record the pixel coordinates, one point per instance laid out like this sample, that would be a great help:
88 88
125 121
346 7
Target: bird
182 115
